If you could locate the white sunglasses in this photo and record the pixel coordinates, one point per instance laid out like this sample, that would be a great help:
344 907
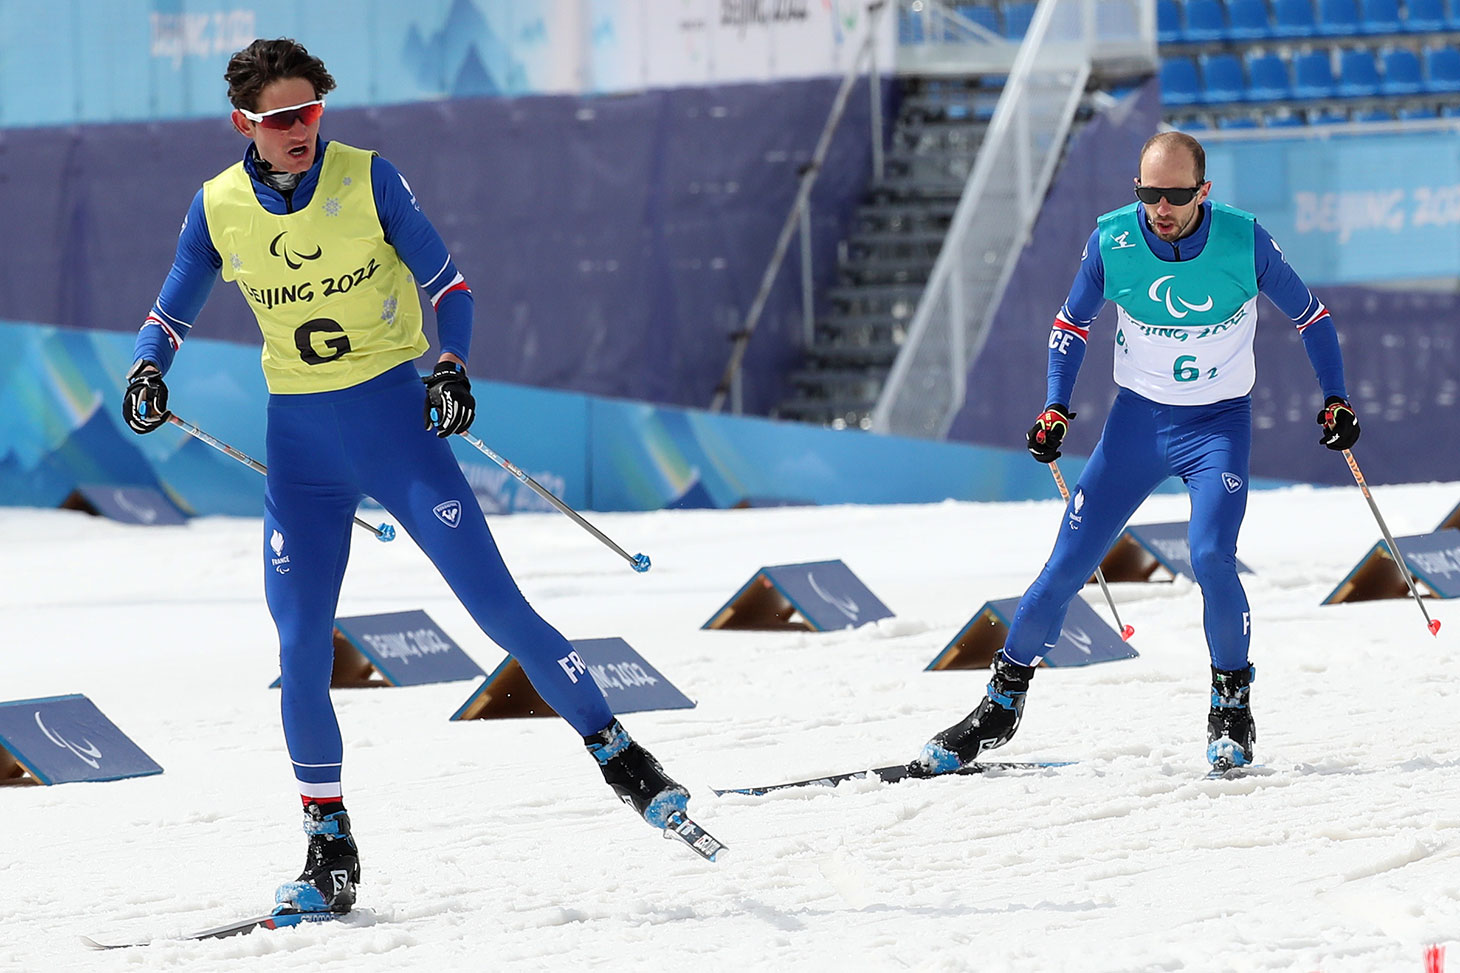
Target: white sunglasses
284 118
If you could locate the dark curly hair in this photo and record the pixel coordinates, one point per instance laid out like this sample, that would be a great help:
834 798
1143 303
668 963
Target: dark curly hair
263 62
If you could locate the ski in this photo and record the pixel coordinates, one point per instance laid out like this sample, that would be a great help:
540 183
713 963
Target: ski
682 828
894 773
240 927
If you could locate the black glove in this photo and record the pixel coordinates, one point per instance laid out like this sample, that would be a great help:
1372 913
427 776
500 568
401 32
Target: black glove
450 407
1048 432
144 407
1340 425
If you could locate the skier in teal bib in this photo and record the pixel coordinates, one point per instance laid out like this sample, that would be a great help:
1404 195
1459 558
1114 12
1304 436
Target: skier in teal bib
1184 273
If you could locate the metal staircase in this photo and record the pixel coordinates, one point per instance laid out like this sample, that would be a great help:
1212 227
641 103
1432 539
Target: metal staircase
884 264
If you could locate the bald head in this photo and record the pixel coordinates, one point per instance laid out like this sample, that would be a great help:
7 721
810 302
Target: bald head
1177 147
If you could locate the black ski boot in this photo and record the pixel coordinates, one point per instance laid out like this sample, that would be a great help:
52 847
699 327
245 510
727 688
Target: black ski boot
991 725
1231 731
331 866
635 775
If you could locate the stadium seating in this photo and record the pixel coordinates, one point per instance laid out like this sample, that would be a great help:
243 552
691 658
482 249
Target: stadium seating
1169 21
1205 21
1424 16
1222 79
1358 74
1248 20
1379 16
1338 18
1289 59
1313 75
1293 18
1442 69
1179 84
1268 78
1402 74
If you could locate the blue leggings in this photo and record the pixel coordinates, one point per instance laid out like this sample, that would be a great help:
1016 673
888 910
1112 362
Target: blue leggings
328 450
1144 442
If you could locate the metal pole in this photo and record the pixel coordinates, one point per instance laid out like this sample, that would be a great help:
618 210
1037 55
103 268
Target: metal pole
874 87
1126 631
1432 624
808 295
385 532
639 562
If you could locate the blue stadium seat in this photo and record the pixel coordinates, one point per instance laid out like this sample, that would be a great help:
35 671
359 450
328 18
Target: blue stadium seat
1423 16
1179 85
1193 124
1379 16
1417 112
1401 73
1338 18
1313 75
1442 69
1293 18
1016 19
1248 20
1267 78
982 14
1222 81
1358 74
1236 121
1168 22
1329 116
1205 21
1375 115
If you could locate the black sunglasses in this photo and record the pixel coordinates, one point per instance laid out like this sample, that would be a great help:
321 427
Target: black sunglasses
1151 195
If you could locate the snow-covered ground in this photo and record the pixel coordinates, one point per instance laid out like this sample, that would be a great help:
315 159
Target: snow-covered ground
495 844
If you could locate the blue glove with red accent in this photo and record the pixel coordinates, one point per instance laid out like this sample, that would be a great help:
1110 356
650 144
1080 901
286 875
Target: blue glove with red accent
1340 424
450 407
1048 432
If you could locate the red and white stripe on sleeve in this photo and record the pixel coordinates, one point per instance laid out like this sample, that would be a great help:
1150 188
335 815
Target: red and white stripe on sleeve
1318 315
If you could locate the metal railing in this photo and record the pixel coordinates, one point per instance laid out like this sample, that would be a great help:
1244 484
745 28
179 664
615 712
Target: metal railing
799 216
1001 199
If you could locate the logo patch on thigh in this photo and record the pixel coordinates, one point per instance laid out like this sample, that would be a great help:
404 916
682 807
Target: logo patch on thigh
449 513
1232 482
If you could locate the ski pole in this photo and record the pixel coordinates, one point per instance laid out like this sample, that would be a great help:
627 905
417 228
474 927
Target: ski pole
385 532
639 562
1126 631
1432 624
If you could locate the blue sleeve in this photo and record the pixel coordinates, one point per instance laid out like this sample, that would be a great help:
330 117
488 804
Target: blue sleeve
194 271
424 253
1282 285
1068 338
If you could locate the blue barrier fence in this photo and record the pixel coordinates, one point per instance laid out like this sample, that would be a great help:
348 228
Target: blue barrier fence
61 426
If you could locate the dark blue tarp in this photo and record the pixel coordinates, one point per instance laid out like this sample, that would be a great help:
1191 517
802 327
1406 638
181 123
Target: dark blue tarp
612 243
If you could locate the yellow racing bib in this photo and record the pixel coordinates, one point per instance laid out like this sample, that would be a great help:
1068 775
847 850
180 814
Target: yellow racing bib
334 301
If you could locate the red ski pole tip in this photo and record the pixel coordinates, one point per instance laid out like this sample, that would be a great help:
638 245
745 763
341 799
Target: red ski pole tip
1127 632
1435 627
